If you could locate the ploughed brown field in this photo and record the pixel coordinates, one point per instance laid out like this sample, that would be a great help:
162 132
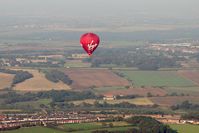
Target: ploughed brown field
86 78
139 91
173 100
192 75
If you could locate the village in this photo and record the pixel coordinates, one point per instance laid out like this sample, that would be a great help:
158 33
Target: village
15 121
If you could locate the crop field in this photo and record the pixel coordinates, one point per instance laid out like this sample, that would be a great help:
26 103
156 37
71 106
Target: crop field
10 110
86 78
39 83
5 80
136 101
109 129
34 104
157 78
185 128
77 128
34 130
173 100
89 127
76 63
191 75
192 91
109 89
81 126
138 91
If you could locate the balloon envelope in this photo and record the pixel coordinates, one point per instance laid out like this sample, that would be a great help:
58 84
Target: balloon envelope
89 42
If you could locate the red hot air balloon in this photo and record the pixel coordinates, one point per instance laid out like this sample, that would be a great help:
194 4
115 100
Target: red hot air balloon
89 42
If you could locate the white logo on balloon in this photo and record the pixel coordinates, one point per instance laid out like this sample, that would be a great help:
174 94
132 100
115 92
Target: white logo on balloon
91 46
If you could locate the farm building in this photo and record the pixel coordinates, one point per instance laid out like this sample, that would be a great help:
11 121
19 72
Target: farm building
109 97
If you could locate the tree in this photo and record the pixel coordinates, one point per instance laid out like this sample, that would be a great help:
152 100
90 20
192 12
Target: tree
110 125
104 124
149 125
149 94
56 76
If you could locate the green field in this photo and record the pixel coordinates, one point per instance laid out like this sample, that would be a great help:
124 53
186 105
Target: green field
89 127
48 130
76 64
157 78
34 104
194 91
185 128
136 101
81 126
75 128
109 129
34 130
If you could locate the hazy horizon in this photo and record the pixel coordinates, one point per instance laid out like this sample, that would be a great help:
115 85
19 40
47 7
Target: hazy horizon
99 8
57 16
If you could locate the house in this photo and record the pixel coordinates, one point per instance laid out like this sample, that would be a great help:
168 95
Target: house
109 97
79 56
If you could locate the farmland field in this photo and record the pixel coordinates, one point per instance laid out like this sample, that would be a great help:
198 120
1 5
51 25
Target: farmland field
138 91
34 104
86 78
34 130
172 100
82 126
5 80
39 83
157 78
137 101
185 128
191 75
10 110
79 128
88 127
109 129
193 91
108 89
76 63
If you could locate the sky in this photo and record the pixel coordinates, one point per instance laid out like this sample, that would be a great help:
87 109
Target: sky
100 8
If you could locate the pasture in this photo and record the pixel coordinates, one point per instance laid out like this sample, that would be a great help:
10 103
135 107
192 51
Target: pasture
76 64
109 89
192 91
157 79
173 100
192 75
34 104
34 130
137 91
108 129
186 128
89 127
75 128
136 101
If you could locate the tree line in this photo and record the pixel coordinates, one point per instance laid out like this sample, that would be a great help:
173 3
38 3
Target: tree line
140 58
186 105
20 76
56 76
56 96
142 124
